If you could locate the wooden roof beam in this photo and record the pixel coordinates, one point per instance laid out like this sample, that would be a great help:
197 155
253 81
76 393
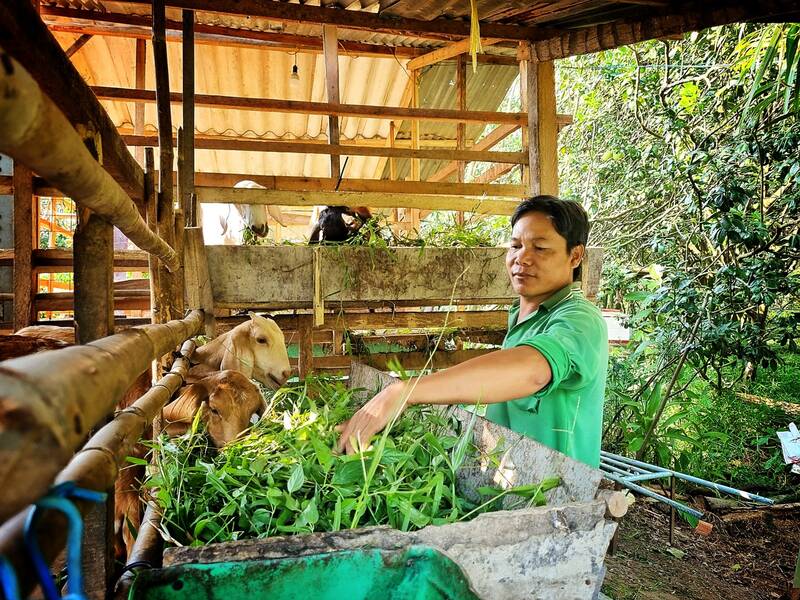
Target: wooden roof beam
318 108
672 20
449 51
494 137
70 20
302 147
477 204
383 186
437 29
78 44
26 38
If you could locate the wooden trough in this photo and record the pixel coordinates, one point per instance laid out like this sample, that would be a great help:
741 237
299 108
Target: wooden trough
554 551
399 292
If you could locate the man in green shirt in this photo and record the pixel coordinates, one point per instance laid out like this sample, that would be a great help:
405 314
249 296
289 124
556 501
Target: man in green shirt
548 381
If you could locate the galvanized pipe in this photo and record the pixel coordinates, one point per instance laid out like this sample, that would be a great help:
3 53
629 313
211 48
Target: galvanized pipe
651 494
36 133
691 478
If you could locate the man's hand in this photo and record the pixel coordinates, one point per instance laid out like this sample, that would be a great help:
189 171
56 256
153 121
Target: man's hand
372 418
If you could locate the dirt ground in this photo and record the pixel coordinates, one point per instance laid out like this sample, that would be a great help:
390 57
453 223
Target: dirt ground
750 559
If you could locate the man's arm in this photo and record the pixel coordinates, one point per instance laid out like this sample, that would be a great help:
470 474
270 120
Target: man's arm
495 377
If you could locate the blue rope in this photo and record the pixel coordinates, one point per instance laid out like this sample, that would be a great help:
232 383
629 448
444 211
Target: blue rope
59 499
8 580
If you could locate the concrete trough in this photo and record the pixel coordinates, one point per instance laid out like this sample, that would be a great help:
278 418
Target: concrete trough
550 552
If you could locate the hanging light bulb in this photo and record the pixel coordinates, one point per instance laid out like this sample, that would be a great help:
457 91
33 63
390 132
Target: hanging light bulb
295 75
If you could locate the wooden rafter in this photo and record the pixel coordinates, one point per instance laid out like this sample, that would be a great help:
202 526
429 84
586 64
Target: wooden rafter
476 204
25 37
318 108
383 186
70 20
78 44
437 29
450 51
294 147
494 137
331 55
493 173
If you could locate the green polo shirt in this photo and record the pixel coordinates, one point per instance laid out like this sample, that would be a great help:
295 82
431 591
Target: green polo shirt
567 414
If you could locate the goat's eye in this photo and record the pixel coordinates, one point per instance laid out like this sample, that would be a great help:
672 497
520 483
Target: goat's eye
261 340
215 412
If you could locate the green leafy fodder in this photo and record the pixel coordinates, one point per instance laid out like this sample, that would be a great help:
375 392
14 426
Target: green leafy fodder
283 477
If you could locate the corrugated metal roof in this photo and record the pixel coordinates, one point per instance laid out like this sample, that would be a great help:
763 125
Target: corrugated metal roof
261 73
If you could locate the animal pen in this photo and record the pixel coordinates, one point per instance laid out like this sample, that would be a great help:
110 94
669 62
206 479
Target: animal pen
379 105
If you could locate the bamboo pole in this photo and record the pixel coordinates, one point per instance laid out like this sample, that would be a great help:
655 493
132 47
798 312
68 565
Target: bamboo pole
95 467
34 132
146 552
51 400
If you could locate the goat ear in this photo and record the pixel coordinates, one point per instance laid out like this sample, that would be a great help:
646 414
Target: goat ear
189 402
238 358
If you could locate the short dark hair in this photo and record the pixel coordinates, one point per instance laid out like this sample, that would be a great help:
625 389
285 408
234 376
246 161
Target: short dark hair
569 220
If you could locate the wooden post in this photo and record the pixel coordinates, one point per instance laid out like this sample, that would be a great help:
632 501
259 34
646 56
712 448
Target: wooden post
305 346
93 252
547 128
529 91
392 162
461 128
415 124
331 52
93 260
318 301
186 160
138 115
24 234
198 283
169 296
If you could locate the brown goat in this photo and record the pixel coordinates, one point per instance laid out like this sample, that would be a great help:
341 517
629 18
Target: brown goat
227 401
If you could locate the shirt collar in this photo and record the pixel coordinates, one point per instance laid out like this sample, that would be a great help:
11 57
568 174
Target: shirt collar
553 300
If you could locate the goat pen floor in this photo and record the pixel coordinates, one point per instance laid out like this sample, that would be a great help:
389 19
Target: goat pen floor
749 559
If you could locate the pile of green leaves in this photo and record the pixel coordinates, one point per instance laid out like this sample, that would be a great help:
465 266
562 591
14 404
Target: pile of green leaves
283 477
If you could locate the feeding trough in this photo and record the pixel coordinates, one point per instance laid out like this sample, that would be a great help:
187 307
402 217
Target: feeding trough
553 551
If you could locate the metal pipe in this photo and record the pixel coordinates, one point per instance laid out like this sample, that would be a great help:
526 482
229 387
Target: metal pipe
612 468
645 492
692 479
649 476
619 463
36 133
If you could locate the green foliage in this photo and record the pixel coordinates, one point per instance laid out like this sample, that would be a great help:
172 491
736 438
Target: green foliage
283 477
685 155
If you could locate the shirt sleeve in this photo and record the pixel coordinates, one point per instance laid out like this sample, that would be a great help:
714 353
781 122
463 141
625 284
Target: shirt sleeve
574 345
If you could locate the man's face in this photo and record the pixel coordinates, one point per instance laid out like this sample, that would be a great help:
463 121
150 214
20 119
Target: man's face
537 261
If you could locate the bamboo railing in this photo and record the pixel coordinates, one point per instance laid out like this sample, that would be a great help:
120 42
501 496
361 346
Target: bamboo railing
97 465
51 400
35 132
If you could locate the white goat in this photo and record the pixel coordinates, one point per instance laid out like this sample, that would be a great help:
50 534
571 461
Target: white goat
224 224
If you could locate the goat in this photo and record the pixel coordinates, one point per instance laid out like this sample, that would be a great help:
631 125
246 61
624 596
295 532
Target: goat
224 223
255 348
332 226
227 401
